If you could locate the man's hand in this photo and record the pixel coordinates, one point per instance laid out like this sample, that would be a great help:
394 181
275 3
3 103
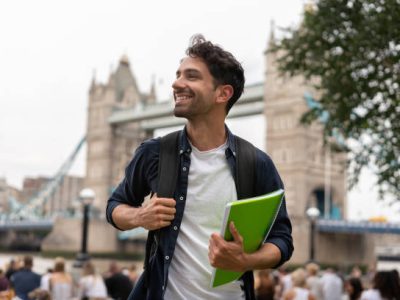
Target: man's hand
227 255
154 214
157 213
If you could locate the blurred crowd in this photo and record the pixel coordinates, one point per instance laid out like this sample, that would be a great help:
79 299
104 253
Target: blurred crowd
19 281
312 283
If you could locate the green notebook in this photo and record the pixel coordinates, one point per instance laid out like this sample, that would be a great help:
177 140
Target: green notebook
253 218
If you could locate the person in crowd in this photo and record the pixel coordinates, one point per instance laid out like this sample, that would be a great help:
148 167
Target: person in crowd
91 285
356 272
40 294
25 280
265 285
312 281
45 281
61 286
385 286
331 285
209 81
299 290
133 274
12 268
353 288
285 281
118 285
4 283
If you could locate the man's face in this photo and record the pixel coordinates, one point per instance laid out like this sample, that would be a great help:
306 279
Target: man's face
194 89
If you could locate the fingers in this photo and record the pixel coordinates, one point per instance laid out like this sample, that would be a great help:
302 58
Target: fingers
235 233
164 210
170 202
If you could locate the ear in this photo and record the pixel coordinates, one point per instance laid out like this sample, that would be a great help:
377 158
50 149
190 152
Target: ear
225 93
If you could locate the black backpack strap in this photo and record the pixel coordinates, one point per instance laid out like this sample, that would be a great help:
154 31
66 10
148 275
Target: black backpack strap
168 165
245 186
245 168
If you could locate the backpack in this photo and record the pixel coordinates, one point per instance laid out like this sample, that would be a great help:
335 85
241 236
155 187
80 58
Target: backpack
168 175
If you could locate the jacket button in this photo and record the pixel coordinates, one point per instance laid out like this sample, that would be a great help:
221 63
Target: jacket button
175 227
167 257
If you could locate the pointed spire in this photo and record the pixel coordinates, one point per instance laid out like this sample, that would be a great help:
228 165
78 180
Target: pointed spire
124 60
271 41
153 95
93 83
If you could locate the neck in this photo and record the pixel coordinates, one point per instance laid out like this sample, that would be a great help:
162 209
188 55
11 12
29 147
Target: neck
206 135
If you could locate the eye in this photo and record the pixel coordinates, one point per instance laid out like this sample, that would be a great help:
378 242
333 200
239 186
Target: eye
192 76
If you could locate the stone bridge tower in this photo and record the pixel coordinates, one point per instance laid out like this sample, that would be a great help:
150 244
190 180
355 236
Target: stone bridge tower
109 148
308 170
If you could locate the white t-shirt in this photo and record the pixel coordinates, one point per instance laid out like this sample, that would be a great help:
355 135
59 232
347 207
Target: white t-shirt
301 293
371 295
210 187
332 286
92 286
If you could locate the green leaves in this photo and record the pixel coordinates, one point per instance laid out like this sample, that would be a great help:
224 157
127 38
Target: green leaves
353 46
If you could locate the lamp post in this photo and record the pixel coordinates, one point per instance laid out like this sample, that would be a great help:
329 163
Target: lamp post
312 214
87 197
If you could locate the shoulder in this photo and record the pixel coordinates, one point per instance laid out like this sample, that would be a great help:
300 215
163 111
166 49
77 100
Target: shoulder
149 147
260 154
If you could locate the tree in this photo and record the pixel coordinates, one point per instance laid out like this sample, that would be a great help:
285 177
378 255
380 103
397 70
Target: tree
353 48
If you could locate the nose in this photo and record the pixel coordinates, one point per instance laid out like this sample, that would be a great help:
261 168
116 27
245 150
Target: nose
178 83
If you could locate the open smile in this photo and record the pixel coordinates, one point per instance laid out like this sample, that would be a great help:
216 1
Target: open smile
179 98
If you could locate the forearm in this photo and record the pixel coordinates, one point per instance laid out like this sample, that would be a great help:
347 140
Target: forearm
268 256
126 217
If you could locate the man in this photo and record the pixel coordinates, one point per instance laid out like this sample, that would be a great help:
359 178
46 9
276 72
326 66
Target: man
208 82
25 281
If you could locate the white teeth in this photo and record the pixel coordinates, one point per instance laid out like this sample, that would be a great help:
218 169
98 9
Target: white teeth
181 98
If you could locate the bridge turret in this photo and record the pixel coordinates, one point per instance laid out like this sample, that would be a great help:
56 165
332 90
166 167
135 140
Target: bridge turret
299 151
106 148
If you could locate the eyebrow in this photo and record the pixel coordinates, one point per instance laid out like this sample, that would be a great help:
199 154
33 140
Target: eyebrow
188 71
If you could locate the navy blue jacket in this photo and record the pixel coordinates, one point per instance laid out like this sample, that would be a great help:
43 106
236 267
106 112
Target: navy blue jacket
25 281
141 179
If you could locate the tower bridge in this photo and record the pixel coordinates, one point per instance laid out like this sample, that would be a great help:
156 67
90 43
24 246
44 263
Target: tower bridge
120 117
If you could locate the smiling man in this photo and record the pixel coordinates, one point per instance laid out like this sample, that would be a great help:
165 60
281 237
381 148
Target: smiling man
209 81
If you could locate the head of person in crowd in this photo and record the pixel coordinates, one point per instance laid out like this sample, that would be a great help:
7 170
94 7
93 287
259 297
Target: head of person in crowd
114 268
133 275
12 265
265 285
396 274
299 277
312 269
356 272
388 285
88 269
28 262
59 265
353 288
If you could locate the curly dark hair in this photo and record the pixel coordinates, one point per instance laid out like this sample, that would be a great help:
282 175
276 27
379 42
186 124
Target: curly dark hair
222 65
